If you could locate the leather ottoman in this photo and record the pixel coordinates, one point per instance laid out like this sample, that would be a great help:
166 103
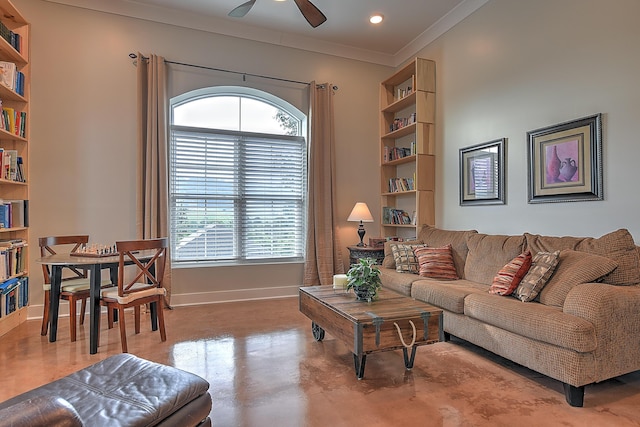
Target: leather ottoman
122 390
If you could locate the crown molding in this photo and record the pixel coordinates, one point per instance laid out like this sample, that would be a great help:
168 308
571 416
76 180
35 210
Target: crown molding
132 9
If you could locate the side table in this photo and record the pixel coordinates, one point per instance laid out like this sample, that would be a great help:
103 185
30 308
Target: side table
357 252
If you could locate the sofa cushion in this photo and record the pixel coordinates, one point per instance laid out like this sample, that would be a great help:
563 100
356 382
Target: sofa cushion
573 269
404 258
399 282
488 254
617 245
435 237
537 321
542 267
448 295
388 261
509 277
436 263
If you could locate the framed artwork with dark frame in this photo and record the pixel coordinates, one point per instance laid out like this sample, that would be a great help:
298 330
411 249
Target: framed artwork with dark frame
565 161
482 173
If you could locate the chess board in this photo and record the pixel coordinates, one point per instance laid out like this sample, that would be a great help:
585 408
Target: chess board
96 251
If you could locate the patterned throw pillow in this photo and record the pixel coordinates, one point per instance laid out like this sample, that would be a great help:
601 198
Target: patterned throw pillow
436 263
405 259
388 261
542 267
509 277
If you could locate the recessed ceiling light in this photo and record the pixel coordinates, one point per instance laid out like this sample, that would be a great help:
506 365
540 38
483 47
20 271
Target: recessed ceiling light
376 19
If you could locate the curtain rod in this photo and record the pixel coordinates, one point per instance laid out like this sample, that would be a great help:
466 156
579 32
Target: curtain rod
244 75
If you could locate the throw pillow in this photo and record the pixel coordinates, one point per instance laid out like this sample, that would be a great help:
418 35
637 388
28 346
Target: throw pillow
617 245
436 263
436 238
388 261
574 268
404 258
509 277
542 266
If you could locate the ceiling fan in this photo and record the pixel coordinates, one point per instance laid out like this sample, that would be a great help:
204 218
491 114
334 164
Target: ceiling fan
311 13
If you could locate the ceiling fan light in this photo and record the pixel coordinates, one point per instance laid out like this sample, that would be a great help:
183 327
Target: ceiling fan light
377 18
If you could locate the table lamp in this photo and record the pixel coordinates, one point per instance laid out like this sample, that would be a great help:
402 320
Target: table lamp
360 213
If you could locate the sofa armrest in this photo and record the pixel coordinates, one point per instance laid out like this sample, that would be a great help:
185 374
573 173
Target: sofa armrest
44 411
613 311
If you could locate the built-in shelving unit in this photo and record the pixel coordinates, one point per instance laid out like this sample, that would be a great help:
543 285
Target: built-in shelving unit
15 77
407 149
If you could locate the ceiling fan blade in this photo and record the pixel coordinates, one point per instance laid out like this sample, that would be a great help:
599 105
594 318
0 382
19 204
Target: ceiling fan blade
242 10
311 13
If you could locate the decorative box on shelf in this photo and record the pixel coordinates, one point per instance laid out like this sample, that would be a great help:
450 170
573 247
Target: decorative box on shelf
377 242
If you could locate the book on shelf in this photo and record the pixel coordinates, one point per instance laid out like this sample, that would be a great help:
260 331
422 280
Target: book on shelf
14 39
393 216
397 185
400 122
13 213
11 77
19 83
13 121
394 153
10 165
20 177
23 291
8 74
9 293
12 259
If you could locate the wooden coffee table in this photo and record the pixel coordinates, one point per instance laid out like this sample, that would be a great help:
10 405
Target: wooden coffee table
391 322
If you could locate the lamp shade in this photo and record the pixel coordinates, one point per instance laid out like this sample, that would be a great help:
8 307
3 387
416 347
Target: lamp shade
360 212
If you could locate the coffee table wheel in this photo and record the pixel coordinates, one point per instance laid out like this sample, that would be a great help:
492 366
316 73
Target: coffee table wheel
318 332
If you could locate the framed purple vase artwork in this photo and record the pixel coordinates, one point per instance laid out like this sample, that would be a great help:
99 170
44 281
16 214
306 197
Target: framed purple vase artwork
482 173
565 161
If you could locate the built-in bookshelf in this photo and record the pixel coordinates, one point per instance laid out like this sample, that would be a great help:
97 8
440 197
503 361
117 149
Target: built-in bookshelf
14 165
407 149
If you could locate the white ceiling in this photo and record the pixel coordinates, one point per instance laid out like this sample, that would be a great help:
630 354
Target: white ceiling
409 25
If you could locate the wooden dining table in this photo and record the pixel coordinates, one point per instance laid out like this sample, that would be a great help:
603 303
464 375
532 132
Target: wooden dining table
94 265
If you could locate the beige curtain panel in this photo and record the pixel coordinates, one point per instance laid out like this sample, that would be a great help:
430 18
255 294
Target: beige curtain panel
153 176
324 254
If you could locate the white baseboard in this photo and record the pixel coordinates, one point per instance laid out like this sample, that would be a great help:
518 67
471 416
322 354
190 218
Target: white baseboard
233 295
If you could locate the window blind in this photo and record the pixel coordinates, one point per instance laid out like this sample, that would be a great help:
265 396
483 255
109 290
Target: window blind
237 196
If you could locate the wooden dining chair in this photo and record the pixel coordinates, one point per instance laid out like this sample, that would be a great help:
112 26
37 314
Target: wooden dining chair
75 285
142 284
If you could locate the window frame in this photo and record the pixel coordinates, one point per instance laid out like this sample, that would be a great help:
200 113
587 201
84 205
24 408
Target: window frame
261 96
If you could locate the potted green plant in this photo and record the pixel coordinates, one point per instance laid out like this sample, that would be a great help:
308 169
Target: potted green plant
364 278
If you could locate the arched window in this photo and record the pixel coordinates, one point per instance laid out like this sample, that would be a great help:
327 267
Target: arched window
238 167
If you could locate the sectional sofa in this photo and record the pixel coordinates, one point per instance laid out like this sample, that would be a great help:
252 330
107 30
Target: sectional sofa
582 327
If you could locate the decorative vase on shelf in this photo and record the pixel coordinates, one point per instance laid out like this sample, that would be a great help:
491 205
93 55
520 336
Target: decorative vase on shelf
568 168
553 165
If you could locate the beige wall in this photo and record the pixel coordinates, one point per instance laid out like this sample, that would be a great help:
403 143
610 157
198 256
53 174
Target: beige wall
83 132
516 66
511 67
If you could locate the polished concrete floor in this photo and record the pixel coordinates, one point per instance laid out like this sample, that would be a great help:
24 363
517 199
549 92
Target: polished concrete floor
265 369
